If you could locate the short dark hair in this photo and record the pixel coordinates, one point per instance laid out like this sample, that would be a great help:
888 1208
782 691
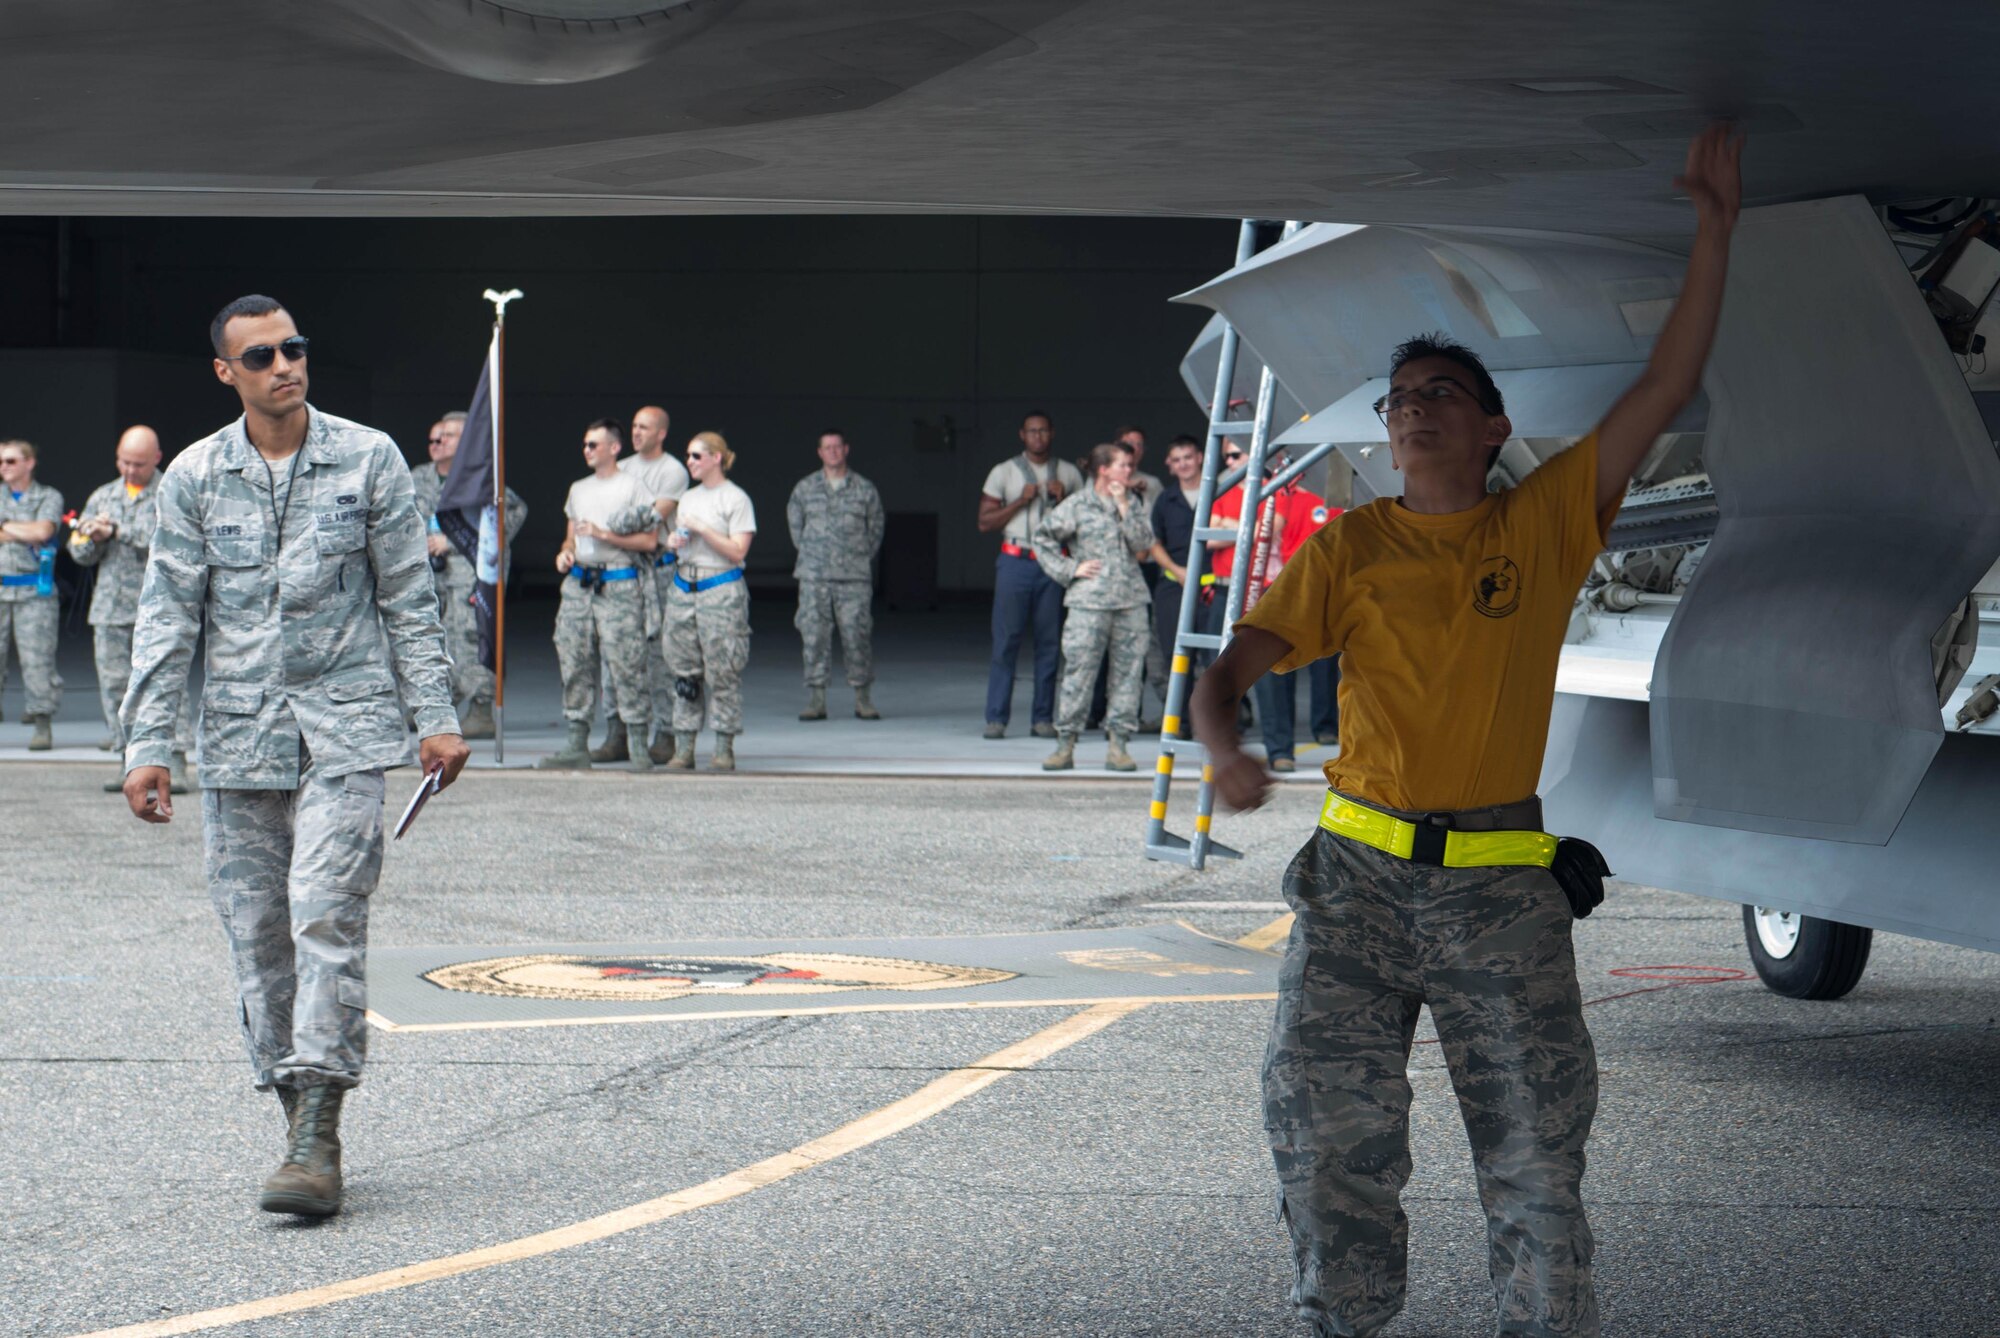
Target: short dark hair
1127 430
251 304
1041 414
609 425
1437 344
834 432
1185 439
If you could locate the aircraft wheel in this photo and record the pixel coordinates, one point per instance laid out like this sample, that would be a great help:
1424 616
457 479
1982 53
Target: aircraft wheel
1801 957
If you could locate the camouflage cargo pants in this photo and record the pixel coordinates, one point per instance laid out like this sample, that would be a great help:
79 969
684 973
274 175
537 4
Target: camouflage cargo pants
30 626
609 621
1489 950
469 678
290 872
1088 634
823 605
112 645
708 637
659 683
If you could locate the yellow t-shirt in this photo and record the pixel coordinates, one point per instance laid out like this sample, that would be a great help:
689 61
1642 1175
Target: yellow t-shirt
1448 628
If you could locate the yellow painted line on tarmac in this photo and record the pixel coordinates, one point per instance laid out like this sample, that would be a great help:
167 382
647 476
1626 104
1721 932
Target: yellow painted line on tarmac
931 1099
1272 934
384 1024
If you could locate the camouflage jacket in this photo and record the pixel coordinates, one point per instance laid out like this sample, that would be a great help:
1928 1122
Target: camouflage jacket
457 573
303 628
121 559
836 530
1089 525
39 502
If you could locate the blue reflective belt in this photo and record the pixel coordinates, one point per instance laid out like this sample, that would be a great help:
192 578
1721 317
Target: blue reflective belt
708 582
666 560
26 578
605 573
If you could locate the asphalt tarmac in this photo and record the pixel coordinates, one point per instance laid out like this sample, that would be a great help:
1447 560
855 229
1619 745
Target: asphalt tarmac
1759 1165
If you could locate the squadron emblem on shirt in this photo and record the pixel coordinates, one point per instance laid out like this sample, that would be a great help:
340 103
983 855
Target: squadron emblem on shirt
1499 590
643 979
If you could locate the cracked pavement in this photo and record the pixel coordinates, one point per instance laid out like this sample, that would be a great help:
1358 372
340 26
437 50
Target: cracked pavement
1759 1165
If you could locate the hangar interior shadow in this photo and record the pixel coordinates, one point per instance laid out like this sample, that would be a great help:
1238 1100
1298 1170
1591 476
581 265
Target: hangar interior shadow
925 339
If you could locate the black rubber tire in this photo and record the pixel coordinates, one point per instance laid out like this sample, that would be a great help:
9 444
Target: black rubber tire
1825 963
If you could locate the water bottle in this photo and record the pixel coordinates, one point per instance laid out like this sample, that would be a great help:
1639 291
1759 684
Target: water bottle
45 571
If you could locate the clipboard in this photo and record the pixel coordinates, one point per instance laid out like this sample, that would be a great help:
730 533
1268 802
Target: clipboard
425 789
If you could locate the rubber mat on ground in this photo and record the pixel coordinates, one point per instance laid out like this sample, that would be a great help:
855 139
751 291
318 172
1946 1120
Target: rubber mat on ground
475 987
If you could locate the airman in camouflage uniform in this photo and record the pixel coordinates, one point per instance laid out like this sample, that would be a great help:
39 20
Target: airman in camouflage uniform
708 606
30 517
306 572
1107 606
114 533
604 610
836 521
451 571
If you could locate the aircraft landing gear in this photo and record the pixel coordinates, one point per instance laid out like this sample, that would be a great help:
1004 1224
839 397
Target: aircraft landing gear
1804 958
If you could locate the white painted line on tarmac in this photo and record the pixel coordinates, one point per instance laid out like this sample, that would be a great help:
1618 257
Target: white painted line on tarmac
1258 907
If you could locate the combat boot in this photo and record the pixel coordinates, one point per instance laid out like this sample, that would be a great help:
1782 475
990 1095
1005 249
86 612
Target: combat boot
863 708
725 753
477 722
177 774
815 705
574 755
1115 756
662 750
683 758
308 1182
41 740
642 759
1064 757
613 749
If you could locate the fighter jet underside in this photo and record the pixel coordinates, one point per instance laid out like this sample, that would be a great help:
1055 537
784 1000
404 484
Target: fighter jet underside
1762 670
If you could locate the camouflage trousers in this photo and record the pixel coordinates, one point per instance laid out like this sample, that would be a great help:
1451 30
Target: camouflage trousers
609 621
659 683
30 626
1489 950
290 872
112 645
1087 635
848 604
469 678
708 638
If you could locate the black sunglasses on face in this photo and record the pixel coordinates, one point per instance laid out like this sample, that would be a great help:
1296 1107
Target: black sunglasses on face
259 357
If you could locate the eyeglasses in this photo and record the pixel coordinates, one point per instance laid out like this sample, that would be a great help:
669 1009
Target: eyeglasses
1441 391
13 459
438 441
259 357
1232 455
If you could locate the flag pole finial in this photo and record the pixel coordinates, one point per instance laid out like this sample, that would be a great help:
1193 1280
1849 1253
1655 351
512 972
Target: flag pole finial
500 301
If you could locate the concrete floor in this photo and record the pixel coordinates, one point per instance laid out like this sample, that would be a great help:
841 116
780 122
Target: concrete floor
1759 1166
931 689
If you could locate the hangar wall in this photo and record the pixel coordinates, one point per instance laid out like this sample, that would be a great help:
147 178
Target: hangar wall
765 328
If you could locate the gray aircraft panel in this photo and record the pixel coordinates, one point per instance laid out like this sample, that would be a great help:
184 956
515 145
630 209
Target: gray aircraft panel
1932 879
1167 107
1860 500
1198 369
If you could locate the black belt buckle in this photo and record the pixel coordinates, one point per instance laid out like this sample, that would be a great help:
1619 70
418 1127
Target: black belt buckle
1427 846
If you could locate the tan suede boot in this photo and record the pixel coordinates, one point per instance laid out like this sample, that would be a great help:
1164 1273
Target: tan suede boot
863 707
614 748
308 1181
1115 756
683 758
725 753
1064 757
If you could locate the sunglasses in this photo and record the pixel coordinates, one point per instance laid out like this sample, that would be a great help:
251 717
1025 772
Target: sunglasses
259 357
1233 455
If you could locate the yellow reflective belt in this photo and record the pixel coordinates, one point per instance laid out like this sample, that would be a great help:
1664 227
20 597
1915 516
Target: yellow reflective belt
1462 850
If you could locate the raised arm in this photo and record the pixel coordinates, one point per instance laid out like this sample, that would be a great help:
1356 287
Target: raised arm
1713 179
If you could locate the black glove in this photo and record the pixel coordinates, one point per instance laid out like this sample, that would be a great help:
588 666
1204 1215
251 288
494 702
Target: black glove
1580 870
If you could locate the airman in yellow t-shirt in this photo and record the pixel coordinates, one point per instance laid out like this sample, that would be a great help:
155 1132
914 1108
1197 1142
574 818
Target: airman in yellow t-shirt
1428 880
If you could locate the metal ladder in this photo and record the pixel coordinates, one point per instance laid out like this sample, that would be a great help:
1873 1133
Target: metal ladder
1162 844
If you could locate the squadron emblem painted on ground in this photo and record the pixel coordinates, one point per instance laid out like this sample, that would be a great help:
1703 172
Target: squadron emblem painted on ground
643 979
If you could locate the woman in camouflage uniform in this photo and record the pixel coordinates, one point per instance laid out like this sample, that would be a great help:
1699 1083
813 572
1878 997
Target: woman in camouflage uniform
1091 544
708 605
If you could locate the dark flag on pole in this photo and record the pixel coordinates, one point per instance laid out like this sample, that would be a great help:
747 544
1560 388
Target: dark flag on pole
465 506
